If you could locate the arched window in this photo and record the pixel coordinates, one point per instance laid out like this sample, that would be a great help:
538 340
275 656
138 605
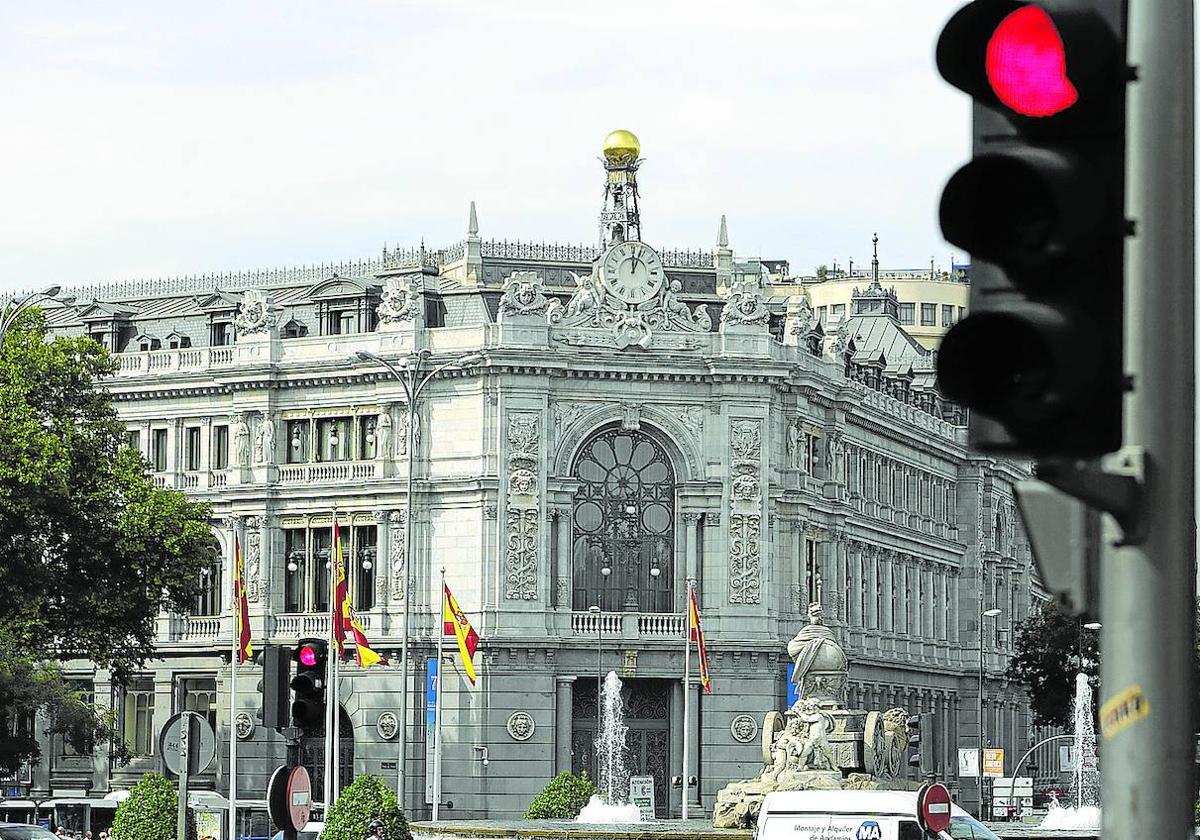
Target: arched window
623 520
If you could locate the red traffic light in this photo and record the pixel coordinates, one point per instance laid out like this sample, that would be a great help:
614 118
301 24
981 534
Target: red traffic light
308 655
1026 64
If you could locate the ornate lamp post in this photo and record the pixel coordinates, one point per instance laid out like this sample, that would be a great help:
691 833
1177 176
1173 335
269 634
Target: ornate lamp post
992 613
18 306
413 377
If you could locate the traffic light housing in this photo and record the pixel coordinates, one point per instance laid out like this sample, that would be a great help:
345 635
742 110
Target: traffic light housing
308 685
914 740
1040 207
275 686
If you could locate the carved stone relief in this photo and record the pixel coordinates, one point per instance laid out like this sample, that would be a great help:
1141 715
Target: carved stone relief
253 557
523 295
745 515
397 522
522 519
399 299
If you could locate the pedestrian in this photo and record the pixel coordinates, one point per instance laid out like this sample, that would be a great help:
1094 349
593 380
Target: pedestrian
375 830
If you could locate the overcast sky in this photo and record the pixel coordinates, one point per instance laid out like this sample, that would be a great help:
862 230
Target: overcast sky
145 139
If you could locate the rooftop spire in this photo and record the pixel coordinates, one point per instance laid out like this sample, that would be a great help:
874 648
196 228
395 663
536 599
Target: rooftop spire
875 261
723 234
472 222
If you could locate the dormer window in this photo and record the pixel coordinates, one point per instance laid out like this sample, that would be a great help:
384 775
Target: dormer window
146 343
176 341
294 329
344 305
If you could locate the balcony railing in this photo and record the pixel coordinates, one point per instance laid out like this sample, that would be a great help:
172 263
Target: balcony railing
332 471
588 623
669 625
299 625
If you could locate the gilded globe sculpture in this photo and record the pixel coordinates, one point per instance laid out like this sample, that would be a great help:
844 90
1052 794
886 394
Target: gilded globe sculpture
621 146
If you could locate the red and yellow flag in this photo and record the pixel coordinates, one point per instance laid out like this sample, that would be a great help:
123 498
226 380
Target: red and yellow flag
454 623
343 617
241 604
697 634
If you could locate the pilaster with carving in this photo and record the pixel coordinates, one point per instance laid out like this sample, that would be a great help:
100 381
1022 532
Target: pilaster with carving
254 587
745 511
397 521
521 534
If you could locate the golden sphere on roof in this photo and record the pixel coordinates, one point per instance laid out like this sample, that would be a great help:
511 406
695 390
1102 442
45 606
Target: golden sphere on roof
621 147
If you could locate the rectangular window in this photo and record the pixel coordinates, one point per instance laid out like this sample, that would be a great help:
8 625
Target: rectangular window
366 438
928 314
333 439
906 314
297 441
812 571
347 323
199 695
318 570
158 450
137 716
193 448
838 310
221 334
220 447
99 337
947 315
296 561
821 314
85 690
133 439
365 539
208 601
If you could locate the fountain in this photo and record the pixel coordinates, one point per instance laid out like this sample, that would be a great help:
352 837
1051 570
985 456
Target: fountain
611 803
1085 783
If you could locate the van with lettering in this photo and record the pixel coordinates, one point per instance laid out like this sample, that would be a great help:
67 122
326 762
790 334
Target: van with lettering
855 815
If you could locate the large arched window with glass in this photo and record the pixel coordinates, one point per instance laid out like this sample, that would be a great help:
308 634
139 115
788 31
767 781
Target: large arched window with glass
623 524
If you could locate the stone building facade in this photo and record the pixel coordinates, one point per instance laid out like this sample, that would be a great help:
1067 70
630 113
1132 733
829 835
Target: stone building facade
659 428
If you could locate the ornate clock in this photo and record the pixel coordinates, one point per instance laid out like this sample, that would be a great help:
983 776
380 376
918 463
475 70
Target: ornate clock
632 271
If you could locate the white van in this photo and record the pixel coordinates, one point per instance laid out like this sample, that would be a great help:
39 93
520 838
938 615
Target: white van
855 815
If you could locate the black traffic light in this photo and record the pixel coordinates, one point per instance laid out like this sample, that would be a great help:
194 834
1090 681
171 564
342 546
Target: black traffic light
308 703
1040 207
275 686
914 740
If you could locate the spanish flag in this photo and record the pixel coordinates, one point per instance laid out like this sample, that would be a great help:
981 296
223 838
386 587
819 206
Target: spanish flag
343 617
697 633
244 649
454 623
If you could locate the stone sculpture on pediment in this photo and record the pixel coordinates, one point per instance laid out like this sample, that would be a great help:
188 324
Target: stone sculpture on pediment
744 305
523 295
400 298
254 314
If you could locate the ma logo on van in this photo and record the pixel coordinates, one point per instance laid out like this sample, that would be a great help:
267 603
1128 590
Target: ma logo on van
869 830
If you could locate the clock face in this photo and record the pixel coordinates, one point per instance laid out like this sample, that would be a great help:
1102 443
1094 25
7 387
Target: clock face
632 271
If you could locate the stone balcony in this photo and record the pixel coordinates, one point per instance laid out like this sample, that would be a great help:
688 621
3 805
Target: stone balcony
628 624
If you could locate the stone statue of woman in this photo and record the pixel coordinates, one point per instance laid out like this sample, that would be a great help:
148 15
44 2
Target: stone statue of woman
241 442
383 435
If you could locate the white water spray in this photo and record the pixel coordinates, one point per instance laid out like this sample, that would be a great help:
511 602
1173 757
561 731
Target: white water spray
611 802
1085 779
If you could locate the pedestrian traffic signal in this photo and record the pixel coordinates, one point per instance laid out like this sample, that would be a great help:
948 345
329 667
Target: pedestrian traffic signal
308 702
914 740
1040 207
274 687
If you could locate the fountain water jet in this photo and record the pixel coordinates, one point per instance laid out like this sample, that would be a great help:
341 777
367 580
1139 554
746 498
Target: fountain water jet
611 802
1086 776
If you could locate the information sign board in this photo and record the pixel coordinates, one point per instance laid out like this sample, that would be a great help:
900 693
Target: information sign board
641 794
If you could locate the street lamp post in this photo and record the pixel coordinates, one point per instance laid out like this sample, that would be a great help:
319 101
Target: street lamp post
18 306
1091 625
413 378
596 611
992 613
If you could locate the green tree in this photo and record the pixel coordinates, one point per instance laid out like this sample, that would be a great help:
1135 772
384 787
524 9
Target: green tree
367 798
92 549
1051 648
151 812
563 798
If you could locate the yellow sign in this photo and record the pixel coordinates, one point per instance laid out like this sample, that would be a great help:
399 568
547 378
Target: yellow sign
1123 710
993 762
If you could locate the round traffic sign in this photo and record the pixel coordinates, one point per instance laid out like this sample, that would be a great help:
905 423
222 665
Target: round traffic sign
933 807
299 797
201 751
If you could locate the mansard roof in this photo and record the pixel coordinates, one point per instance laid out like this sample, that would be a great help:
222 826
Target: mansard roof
335 286
99 310
217 301
882 334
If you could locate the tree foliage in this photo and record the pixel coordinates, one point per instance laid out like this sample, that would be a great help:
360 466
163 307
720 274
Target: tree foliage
563 798
1051 648
367 798
92 550
151 812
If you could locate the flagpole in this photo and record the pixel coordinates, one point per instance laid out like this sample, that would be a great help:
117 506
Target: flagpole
327 787
335 754
439 626
234 655
687 730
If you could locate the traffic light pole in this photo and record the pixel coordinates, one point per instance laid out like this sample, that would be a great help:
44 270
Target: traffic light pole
1148 585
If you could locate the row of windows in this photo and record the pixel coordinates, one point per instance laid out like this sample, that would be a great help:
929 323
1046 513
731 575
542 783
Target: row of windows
136 707
929 314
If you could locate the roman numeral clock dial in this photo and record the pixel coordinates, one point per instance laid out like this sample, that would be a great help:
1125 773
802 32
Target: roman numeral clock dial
632 271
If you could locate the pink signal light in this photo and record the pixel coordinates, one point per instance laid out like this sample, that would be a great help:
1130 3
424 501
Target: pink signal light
1027 64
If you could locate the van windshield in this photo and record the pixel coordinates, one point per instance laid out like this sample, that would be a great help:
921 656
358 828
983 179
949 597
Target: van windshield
969 828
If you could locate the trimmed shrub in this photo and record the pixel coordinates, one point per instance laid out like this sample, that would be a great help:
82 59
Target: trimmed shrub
367 798
150 812
563 798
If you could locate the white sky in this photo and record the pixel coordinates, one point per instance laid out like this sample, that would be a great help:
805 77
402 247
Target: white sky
146 139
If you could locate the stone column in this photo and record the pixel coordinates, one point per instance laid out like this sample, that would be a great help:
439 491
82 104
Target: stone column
873 588
564 559
674 795
932 607
857 587
562 723
840 565
383 562
690 523
888 620
954 597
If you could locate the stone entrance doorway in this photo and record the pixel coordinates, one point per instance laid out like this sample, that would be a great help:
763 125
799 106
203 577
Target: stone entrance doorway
647 714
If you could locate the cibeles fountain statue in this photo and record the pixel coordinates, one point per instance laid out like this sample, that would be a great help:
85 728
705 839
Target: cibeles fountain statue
819 744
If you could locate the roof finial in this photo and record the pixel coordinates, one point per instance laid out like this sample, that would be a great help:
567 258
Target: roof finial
723 234
472 222
875 261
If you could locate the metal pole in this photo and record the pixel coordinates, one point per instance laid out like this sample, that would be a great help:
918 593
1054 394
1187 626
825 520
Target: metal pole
235 654
687 690
1148 588
979 757
185 746
437 714
411 435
